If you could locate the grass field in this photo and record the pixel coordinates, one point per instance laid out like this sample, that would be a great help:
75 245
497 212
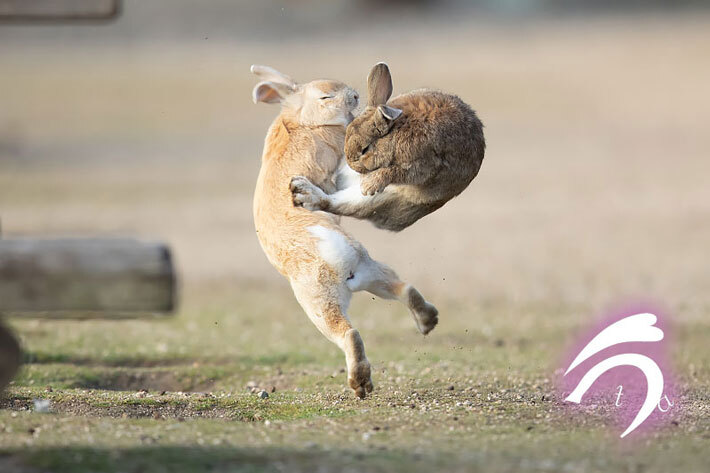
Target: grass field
593 194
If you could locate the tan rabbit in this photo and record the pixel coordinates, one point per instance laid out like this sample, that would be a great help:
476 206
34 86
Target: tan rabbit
414 153
323 263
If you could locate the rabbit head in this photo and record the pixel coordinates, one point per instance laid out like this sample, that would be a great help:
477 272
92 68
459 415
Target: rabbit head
375 121
315 103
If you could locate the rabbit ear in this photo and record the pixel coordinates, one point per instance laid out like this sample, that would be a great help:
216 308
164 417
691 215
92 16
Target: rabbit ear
270 74
270 92
379 85
389 113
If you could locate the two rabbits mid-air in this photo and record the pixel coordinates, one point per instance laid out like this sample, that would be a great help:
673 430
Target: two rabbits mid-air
302 163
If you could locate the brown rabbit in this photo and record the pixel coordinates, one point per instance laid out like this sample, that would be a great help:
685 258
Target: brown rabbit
413 154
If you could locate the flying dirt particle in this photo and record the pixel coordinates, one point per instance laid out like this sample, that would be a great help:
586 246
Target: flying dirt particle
451 388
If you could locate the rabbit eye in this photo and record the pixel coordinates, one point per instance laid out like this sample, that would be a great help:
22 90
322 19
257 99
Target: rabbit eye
326 97
365 149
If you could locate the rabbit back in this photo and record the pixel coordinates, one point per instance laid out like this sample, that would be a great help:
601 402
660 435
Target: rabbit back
440 145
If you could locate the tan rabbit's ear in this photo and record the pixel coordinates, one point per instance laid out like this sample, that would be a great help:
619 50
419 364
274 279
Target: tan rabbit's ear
379 85
390 114
270 92
269 74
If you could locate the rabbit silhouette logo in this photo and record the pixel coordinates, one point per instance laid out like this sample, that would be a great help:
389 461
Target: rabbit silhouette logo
625 342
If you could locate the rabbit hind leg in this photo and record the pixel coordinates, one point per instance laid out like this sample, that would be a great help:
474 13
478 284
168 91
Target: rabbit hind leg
326 307
381 280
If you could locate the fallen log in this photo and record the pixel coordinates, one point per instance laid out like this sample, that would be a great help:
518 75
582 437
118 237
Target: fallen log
108 277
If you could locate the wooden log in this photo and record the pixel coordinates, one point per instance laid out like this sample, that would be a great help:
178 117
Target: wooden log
90 276
58 10
9 356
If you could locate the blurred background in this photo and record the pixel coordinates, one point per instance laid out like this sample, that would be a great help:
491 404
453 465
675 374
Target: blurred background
594 187
593 193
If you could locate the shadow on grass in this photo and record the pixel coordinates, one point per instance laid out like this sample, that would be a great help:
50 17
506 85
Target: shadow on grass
150 361
177 378
149 381
44 358
66 371
189 459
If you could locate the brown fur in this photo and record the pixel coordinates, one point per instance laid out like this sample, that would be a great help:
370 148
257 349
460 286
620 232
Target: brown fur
281 228
430 144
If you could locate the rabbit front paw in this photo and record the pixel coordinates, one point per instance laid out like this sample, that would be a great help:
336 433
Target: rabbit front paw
372 183
307 195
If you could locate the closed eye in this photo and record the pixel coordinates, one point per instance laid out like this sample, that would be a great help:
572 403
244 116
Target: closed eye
326 97
366 149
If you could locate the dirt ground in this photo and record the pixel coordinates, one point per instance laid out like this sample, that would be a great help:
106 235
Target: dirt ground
593 194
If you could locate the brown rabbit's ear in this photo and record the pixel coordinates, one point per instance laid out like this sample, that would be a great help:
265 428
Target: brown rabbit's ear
379 85
270 92
390 114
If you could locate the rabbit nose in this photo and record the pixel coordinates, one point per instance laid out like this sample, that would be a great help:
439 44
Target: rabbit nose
353 100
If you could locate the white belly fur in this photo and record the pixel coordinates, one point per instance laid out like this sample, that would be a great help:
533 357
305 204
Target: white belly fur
335 249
